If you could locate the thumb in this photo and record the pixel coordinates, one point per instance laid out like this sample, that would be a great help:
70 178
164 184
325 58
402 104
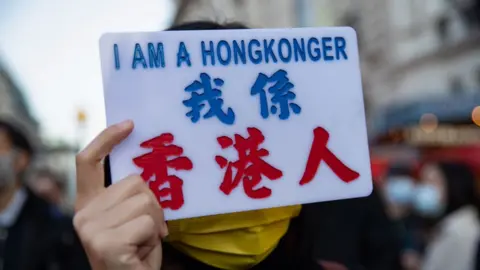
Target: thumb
90 175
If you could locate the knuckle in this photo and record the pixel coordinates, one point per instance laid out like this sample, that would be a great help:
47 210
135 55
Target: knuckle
128 184
154 201
85 228
99 245
148 223
138 181
82 157
78 221
124 259
144 201
134 181
150 201
86 234
145 224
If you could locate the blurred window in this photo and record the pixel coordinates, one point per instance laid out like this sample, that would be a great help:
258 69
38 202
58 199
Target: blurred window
442 25
456 85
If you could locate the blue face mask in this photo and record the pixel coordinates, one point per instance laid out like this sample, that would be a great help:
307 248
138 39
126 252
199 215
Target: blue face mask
399 190
427 201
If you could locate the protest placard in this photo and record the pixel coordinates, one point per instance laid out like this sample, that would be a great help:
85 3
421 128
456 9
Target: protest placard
236 120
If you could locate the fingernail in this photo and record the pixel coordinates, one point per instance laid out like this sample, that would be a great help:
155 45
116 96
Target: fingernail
125 124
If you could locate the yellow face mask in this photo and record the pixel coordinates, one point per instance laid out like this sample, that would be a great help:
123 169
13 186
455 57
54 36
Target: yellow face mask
232 241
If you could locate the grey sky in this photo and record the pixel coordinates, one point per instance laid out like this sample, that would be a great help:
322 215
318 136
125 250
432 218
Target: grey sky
51 47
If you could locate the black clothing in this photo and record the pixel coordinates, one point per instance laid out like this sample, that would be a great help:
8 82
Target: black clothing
355 233
461 189
42 238
410 233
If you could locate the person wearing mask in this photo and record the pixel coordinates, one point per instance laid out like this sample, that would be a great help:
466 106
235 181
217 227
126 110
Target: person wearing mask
398 192
122 226
446 195
34 235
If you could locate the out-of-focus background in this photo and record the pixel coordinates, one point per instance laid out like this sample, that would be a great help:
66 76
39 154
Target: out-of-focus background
420 62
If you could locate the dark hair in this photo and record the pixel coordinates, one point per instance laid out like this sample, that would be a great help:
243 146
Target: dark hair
399 170
460 185
206 25
19 140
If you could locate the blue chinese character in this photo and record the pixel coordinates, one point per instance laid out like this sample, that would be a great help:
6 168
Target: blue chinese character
211 96
280 94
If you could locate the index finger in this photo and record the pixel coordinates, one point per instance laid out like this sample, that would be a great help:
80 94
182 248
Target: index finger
90 176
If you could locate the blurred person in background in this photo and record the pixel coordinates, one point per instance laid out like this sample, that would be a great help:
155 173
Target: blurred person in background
446 195
49 185
34 235
398 192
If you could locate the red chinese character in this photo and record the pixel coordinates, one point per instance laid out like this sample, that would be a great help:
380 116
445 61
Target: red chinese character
164 155
249 167
319 152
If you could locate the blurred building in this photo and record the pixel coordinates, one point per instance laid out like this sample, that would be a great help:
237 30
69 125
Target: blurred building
436 48
60 157
13 107
254 13
417 57
411 49
13 104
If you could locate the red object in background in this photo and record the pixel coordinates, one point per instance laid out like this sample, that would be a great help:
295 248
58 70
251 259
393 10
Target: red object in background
380 168
164 155
320 152
468 154
249 167
382 158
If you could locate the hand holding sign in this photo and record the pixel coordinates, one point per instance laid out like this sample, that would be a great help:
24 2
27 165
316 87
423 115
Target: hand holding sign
120 226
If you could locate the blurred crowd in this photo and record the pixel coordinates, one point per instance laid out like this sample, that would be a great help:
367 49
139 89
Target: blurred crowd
435 210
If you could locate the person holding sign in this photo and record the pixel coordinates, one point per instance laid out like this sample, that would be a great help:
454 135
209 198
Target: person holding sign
222 211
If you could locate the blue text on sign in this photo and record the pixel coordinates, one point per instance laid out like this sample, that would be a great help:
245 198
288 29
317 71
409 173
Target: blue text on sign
240 52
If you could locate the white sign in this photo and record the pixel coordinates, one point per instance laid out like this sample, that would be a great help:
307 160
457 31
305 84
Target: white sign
237 120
